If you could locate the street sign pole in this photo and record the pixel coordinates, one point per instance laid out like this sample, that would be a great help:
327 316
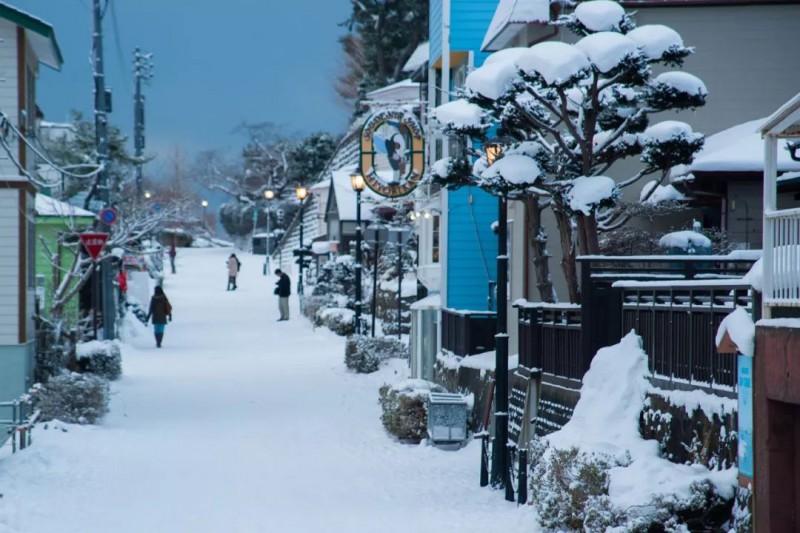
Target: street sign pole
94 243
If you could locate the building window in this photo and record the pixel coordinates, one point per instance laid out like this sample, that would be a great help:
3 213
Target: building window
435 240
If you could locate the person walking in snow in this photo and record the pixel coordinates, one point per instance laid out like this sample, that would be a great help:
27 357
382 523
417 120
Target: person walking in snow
161 312
283 288
172 253
233 270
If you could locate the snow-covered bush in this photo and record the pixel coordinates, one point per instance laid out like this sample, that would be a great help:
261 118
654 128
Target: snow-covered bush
365 354
570 489
338 277
103 358
404 412
337 319
742 520
73 398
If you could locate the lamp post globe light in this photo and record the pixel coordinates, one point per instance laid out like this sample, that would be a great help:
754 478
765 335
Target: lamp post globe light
204 203
500 474
301 193
147 195
357 181
269 195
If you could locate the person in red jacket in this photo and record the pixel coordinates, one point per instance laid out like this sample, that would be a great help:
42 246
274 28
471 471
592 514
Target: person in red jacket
122 287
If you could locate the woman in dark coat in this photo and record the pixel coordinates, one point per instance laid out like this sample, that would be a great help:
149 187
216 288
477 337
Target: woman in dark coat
161 311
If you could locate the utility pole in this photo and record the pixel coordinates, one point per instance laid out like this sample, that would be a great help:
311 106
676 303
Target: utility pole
101 105
143 72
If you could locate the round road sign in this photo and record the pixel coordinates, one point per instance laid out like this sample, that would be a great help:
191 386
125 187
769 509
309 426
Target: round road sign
108 216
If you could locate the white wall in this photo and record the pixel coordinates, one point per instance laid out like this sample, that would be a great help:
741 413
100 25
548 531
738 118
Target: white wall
9 266
8 89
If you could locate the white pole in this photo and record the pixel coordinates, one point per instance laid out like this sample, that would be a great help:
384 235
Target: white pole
770 196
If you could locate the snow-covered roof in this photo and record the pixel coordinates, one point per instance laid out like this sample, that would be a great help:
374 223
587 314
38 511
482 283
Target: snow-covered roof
40 34
402 91
50 207
418 58
346 197
510 17
786 120
739 149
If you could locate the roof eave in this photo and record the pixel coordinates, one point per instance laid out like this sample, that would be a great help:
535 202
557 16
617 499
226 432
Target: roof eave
50 55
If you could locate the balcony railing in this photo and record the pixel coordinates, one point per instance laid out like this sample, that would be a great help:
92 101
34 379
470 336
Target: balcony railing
782 266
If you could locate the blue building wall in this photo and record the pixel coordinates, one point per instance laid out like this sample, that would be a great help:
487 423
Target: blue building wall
471 248
469 20
471 244
435 29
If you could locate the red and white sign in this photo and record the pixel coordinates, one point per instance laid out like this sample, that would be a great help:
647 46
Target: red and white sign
94 243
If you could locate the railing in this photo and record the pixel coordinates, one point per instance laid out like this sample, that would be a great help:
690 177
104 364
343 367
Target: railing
468 332
678 323
782 258
550 339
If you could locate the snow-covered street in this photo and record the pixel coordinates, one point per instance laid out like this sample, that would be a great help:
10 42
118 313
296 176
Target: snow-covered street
242 424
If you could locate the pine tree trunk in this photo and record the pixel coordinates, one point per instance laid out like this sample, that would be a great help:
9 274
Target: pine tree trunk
588 240
568 264
538 247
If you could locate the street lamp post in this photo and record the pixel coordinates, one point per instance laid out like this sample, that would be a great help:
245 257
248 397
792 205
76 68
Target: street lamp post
301 193
269 195
204 203
500 474
357 181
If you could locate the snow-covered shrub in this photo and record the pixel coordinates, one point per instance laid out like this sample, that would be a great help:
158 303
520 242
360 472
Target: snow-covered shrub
703 509
313 305
365 354
100 357
742 520
73 398
570 489
339 320
338 277
404 413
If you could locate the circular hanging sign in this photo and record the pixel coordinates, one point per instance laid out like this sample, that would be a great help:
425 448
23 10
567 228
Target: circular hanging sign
392 152
108 216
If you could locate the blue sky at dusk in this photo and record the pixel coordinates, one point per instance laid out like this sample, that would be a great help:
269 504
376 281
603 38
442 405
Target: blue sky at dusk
216 64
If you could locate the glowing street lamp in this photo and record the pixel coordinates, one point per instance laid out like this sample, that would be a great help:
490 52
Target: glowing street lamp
301 193
357 181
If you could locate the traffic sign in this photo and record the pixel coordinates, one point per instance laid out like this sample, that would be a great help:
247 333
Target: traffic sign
94 243
108 216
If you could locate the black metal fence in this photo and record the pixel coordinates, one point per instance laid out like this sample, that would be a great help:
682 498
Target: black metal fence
550 340
468 332
675 303
678 325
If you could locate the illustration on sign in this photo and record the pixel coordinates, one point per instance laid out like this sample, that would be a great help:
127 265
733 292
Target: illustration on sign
392 152
94 243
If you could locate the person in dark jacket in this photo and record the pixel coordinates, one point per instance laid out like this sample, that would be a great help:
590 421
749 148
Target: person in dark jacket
161 312
283 288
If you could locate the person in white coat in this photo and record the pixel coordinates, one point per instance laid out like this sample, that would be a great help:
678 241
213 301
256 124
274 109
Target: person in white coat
233 270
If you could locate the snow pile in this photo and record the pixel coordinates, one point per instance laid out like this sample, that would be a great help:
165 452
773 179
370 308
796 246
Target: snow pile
461 113
493 79
589 192
337 319
682 82
740 328
669 130
599 15
516 170
755 276
605 423
685 240
73 398
662 193
554 61
785 254
655 40
606 49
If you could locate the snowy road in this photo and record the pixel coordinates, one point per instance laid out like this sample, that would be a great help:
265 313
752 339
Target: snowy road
242 424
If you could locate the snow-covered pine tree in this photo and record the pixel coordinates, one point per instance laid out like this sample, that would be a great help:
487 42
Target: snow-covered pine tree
566 113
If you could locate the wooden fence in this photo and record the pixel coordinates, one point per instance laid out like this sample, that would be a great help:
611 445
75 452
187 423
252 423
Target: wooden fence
468 332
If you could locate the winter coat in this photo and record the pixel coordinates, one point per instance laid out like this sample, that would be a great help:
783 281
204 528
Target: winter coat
233 267
283 287
160 309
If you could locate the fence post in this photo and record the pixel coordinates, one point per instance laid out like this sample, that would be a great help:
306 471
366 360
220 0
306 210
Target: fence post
587 314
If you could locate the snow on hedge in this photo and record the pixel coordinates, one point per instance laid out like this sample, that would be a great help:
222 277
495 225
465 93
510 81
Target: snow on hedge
655 40
607 49
554 61
517 170
740 328
669 130
606 421
492 80
588 192
460 113
599 15
662 193
685 240
682 82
